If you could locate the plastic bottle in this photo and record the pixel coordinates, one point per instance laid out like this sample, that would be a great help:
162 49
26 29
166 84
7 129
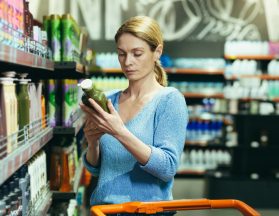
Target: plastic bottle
67 33
90 91
55 37
23 103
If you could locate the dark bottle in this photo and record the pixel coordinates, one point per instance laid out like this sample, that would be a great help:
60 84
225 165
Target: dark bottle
23 103
90 91
28 20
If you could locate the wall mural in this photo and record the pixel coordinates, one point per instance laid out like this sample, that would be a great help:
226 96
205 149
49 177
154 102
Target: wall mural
207 20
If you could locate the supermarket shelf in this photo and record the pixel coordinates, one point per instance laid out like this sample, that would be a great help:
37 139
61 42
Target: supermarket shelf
260 76
20 156
275 99
79 68
190 174
248 115
197 71
203 95
111 70
254 57
205 144
202 71
20 58
57 195
69 70
77 125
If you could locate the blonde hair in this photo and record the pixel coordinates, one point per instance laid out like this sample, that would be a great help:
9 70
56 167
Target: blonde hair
147 29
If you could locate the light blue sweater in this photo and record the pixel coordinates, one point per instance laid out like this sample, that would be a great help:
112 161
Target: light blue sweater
161 124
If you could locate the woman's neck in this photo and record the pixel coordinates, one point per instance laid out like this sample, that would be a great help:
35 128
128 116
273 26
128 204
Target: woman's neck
140 88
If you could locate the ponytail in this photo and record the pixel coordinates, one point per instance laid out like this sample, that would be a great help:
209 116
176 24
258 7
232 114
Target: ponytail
161 75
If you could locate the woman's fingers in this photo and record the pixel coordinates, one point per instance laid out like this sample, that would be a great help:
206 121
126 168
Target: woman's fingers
90 113
86 109
111 107
97 107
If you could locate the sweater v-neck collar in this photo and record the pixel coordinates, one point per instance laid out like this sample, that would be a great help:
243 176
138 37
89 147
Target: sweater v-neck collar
147 104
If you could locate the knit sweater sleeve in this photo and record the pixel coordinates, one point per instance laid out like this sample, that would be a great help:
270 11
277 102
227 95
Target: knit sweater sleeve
169 137
93 170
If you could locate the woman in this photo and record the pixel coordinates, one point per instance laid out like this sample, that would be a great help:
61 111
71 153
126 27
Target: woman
135 149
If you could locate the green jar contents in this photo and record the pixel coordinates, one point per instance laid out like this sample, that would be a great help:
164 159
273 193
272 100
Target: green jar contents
23 102
90 91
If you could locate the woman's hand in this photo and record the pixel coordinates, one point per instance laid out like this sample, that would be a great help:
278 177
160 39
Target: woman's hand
92 134
102 122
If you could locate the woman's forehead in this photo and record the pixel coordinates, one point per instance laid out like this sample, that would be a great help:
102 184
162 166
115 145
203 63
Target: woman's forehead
129 42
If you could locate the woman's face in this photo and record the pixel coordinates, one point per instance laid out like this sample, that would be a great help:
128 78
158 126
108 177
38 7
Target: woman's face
135 56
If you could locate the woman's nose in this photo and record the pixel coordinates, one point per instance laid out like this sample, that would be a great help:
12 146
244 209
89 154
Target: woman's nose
128 60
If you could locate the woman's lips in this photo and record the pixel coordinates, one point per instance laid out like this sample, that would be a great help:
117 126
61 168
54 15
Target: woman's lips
129 71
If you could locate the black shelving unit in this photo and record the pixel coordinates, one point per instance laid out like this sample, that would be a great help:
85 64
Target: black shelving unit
68 70
259 193
254 176
73 130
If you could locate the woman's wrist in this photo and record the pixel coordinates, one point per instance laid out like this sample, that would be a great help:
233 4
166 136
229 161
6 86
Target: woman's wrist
121 133
92 154
92 144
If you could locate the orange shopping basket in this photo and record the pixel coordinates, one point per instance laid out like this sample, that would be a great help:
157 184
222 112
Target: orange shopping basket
173 205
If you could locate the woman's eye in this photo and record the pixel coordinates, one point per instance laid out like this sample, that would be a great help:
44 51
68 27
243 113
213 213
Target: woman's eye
137 54
121 54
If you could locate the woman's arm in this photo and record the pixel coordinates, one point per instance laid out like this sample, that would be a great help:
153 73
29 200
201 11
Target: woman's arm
92 136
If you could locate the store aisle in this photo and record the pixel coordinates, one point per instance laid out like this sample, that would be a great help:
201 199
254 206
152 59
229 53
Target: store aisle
195 189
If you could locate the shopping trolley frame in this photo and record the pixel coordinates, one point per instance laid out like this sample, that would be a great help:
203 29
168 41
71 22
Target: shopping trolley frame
173 205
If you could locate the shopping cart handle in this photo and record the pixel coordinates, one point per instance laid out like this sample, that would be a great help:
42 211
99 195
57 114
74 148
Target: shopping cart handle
173 205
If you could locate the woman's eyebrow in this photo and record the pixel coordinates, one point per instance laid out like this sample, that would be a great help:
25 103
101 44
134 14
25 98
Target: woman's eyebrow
134 49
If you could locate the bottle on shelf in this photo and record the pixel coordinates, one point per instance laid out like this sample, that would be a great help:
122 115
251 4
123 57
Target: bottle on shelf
23 104
52 89
28 20
55 37
10 107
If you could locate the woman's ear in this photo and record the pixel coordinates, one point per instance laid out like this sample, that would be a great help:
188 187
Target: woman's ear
158 52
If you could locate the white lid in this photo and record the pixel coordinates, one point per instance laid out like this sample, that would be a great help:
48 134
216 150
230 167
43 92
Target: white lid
86 84
23 81
9 74
6 80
